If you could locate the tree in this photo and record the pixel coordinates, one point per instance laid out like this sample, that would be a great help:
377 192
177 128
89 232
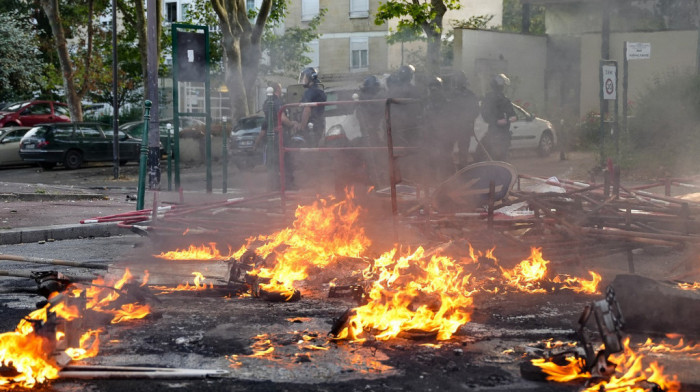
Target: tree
20 64
286 52
241 42
77 77
416 16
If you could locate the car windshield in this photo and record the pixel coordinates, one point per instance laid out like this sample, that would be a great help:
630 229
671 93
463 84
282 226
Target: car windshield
37 132
16 106
250 122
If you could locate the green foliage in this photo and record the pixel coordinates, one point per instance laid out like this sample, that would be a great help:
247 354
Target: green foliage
476 22
415 17
513 14
20 65
665 126
286 51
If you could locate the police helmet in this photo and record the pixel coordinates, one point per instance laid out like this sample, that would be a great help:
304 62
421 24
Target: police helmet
435 83
405 73
370 85
308 76
499 82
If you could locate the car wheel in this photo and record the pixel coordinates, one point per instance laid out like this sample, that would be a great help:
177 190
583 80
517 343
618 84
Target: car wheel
546 144
73 159
47 165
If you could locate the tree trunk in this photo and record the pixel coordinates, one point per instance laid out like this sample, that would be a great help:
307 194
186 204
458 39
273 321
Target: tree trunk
433 31
234 79
143 42
88 54
50 7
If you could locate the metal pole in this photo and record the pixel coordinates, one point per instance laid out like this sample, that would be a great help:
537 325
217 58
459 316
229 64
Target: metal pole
625 85
207 104
616 127
392 168
143 157
224 155
115 101
176 107
169 151
270 138
602 114
152 16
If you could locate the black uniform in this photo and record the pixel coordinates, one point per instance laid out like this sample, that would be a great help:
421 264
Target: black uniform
463 109
496 106
317 117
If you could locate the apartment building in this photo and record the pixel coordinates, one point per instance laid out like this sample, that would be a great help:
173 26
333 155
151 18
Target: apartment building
352 45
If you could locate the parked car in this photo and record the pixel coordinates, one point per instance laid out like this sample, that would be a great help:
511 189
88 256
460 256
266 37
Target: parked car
73 143
9 145
241 144
187 125
528 132
30 113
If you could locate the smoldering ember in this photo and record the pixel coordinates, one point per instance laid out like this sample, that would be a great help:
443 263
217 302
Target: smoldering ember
336 292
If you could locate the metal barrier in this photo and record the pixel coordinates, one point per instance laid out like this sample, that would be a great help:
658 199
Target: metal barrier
390 148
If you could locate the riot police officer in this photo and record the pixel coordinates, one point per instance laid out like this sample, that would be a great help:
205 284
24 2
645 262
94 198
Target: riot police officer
312 93
497 111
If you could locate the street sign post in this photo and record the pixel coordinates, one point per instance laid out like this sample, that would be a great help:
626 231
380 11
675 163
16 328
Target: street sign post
608 92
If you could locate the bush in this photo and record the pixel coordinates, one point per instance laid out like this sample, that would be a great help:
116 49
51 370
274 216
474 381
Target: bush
664 132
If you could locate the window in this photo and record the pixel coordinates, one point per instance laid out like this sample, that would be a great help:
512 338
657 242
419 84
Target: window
38 108
61 110
185 11
359 8
250 5
90 131
171 12
359 53
309 9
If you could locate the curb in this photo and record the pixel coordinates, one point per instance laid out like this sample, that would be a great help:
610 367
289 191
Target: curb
49 196
61 232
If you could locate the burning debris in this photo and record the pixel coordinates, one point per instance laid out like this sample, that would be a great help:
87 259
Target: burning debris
615 366
49 338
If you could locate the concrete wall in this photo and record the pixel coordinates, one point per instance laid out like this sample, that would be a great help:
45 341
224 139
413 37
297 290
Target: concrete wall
481 54
671 51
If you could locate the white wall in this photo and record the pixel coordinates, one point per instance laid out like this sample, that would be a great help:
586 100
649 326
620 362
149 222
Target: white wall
481 54
671 51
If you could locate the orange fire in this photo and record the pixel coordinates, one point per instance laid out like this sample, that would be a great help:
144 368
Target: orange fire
413 293
530 273
321 233
651 348
630 373
89 346
202 252
199 284
689 286
28 353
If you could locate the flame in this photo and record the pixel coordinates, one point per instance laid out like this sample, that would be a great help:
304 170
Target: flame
27 355
530 274
579 285
202 252
321 233
630 373
413 293
689 286
89 346
198 285
26 351
651 348
526 275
